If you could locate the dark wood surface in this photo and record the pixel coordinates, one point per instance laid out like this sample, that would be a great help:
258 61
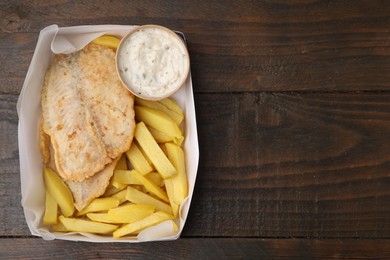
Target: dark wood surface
293 108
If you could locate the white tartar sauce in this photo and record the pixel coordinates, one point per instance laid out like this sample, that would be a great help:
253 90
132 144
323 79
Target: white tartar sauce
152 62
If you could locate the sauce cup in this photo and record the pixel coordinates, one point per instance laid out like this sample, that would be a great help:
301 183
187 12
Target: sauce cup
152 62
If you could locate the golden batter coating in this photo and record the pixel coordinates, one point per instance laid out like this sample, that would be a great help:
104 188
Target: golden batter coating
87 113
87 190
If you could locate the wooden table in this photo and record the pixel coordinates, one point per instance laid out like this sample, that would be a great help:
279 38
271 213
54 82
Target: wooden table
293 110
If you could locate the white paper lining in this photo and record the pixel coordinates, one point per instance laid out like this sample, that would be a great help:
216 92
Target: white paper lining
53 40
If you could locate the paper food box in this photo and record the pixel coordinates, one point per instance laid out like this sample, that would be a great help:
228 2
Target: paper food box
54 40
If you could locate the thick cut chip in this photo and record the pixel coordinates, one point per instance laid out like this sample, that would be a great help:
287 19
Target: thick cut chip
155 178
108 40
101 217
136 196
87 113
150 186
153 151
59 191
130 213
111 190
82 225
178 118
177 186
99 204
125 177
121 196
159 136
138 160
159 121
51 210
169 185
172 105
135 227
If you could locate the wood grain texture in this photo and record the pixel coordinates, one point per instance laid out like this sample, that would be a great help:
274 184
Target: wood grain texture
306 165
293 108
11 213
198 248
237 46
16 51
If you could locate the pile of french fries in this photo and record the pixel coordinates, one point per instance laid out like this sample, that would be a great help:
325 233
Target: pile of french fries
148 185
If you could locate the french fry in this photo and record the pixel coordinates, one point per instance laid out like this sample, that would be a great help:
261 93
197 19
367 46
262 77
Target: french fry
160 121
82 225
155 178
177 186
150 186
101 217
130 213
172 105
146 157
138 160
159 136
153 151
176 117
136 196
180 184
107 40
135 227
125 177
171 194
111 190
117 185
59 191
51 210
99 204
121 196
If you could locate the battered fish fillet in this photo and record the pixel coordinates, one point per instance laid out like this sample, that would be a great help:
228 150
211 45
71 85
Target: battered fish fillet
87 113
87 190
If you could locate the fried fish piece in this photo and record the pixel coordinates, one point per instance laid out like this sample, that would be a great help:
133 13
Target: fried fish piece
87 113
79 153
87 190
111 105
